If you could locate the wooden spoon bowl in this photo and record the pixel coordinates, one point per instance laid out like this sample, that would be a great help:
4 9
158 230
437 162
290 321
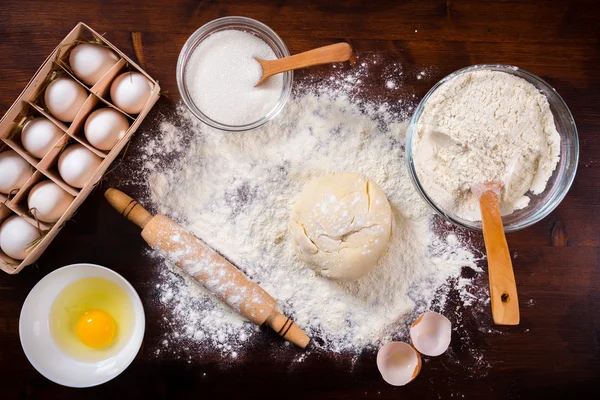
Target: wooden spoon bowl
338 52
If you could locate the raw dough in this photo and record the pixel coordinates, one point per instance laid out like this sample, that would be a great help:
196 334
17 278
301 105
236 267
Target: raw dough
341 224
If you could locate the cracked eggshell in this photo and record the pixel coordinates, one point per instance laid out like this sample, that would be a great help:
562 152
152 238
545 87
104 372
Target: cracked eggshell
431 333
399 363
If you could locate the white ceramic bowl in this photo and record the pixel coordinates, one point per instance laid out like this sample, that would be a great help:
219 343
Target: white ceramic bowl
39 346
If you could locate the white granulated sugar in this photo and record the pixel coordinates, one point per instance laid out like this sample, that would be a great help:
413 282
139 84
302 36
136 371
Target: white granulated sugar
222 74
485 126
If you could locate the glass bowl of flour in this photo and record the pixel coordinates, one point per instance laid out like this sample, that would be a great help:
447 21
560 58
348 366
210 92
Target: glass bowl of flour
217 74
492 123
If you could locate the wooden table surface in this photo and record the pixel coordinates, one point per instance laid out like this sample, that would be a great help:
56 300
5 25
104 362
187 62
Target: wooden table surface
555 352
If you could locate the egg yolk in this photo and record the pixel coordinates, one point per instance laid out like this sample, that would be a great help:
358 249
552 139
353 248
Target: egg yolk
96 328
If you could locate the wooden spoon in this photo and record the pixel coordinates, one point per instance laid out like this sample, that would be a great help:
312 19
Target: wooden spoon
338 52
503 289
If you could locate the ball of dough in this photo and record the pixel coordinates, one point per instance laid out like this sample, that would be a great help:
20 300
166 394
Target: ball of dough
341 224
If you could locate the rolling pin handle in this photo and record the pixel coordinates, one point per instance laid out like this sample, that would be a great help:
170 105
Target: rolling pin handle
287 329
128 207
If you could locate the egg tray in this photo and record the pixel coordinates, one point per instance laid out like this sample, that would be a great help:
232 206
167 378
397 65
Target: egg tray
30 104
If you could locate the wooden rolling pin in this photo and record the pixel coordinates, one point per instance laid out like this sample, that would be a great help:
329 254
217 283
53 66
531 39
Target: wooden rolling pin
210 269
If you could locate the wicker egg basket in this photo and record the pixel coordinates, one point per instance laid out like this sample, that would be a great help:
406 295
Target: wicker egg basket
30 104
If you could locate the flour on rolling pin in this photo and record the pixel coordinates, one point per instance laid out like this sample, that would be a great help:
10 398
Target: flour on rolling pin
208 268
182 248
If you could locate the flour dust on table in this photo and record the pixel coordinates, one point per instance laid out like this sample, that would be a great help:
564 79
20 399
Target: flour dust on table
235 192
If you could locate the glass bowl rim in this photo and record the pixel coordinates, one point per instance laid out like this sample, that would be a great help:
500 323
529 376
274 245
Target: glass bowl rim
207 29
565 181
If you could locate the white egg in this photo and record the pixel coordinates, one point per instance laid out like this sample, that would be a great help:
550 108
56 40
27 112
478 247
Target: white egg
105 127
77 164
14 171
430 333
48 202
64 98
130 92
399 363
16 235
90 62
39 135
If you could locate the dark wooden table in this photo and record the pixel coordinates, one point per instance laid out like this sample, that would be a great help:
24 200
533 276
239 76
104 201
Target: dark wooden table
554 353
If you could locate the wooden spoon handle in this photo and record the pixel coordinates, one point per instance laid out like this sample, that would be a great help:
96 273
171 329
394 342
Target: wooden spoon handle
503 289
338 52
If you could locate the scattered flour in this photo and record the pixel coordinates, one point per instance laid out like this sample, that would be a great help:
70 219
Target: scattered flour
485 126
235 191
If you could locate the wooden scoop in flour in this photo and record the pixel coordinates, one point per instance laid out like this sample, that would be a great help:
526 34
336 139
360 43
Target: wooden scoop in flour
210 269
503 289
338 52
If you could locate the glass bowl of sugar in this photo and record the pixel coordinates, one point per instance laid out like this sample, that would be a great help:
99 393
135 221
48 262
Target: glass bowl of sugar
217 74
487 123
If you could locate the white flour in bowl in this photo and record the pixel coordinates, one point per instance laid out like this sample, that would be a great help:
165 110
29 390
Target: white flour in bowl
235 191
485 126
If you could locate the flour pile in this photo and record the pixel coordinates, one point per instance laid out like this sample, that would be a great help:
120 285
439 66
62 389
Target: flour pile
485 126
235 191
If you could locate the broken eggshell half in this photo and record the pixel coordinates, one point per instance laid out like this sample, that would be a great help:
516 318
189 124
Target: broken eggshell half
398 362
430 333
